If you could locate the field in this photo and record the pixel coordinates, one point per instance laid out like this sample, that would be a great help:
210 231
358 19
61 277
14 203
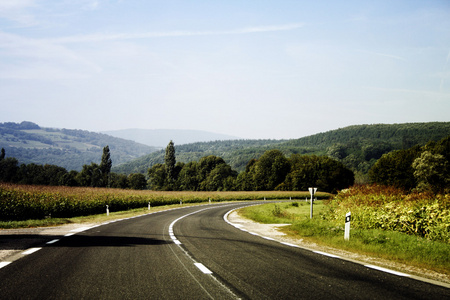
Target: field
25 202
411 229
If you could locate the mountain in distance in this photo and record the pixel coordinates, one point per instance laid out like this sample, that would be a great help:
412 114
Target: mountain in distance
161 137
67 148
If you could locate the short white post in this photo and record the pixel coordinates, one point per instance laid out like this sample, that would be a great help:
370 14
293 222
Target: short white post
107 210
312 191
181 202
290 198
149 206
209 200
264 198
347 226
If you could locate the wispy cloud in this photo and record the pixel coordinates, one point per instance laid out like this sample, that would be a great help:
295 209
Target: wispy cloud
100 37
396 57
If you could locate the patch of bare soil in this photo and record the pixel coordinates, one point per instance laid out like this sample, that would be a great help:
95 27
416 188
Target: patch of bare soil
272 231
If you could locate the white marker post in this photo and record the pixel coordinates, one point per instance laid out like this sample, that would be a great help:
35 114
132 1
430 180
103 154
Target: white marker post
149 206
312 191
347 226
107 210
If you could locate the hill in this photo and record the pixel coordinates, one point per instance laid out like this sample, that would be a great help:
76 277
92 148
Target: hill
161 137
357 146
71 149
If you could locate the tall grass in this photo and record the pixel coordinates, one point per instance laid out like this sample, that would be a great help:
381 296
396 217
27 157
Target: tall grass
379 207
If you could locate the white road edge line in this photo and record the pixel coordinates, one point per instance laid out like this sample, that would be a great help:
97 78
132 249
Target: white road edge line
203 268
31 250
52 241
4 264
387 270
326 254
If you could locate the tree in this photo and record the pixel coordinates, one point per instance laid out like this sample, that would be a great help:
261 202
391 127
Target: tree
157 177
270 170
170 161
188 179
137 181
395 168
431 172
90 175
105 165
323 172
2 154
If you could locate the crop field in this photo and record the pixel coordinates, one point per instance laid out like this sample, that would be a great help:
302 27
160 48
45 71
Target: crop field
23 202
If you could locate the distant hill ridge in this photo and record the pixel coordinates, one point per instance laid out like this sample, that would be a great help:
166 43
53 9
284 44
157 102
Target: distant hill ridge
161 137
357 146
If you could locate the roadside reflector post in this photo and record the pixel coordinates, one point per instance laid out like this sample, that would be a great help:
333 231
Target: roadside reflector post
149 206
181 203
107 210
312 191
209 200
347 226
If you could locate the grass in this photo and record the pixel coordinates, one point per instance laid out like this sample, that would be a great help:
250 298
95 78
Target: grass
395 246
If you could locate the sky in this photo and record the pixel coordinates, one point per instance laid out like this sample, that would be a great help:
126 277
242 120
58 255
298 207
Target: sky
254 69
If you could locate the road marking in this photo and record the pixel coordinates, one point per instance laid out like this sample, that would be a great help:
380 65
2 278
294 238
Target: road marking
31 250
70 233
52 241
4 264
387 270
203 268
288 244
326 254
80 229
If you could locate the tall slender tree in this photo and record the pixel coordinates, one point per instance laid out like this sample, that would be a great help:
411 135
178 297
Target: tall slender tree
2 154
170 161
105 165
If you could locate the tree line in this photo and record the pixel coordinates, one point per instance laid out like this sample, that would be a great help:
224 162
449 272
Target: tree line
272 171
419 168
92 175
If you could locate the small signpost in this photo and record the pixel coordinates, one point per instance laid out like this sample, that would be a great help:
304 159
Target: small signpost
312 191
347 226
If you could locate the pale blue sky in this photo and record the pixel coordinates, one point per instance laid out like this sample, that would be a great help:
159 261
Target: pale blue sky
252 69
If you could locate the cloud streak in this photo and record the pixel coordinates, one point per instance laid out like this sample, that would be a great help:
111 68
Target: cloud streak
101 37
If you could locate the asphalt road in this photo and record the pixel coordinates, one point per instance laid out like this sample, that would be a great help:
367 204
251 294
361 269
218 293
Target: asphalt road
192 253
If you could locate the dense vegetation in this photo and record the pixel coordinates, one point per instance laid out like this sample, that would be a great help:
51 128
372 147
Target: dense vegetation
425 168
272 171
92 175
70 149
358 147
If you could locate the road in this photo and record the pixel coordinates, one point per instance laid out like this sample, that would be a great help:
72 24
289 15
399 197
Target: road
192 253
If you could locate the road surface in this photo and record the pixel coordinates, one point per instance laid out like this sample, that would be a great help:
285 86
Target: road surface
192 253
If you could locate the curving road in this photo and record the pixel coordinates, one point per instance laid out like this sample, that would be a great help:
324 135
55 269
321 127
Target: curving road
192 253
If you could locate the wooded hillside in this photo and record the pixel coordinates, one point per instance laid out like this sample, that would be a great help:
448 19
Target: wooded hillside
71 149
358 146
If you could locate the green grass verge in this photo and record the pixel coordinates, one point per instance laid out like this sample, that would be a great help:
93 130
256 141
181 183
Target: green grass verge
391 245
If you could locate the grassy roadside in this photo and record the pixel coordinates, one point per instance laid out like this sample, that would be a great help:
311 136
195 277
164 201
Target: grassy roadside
394 246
